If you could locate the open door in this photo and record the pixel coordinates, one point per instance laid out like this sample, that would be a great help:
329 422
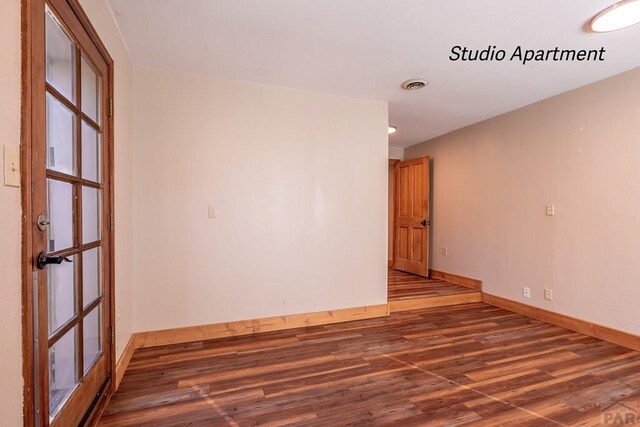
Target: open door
412 216
68 199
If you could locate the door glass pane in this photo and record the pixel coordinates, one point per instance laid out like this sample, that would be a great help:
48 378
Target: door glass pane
90 276
90 91
90 214
62 370
61 281
60 137
90 153
91 335
60 212
60 61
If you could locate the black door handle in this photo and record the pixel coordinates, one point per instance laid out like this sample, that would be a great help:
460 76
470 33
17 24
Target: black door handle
44 260
424 222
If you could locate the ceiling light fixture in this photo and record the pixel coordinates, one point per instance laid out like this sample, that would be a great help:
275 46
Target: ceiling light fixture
414 84
616 17
392 129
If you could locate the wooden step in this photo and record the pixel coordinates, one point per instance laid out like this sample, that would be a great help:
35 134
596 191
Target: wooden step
434 301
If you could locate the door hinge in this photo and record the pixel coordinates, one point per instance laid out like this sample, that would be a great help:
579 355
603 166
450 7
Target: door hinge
111 107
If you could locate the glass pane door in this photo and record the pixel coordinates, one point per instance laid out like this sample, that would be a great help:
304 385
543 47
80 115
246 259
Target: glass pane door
75 194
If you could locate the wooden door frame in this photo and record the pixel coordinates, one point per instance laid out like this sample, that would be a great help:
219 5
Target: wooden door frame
392 164
31 55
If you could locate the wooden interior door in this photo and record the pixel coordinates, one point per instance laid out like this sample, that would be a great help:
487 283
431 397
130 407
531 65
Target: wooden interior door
412 216
69 192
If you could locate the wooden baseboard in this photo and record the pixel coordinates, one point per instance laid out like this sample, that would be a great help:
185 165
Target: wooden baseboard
124 360
247 327
458 280
241 327
604 333
431 302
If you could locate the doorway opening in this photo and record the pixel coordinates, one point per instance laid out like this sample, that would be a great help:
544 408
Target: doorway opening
411 283
409 188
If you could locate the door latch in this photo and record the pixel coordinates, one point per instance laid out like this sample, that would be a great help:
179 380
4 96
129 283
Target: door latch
44 260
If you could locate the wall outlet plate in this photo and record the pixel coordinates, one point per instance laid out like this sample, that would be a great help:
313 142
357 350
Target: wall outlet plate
548 294
211 213
526 292
445 250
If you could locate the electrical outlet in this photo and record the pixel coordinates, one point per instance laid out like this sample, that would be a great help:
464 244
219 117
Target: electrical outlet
526 292
445 251
212 212
548 294
551 210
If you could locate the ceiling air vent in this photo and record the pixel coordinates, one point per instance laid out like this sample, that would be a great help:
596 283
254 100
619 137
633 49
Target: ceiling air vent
414 84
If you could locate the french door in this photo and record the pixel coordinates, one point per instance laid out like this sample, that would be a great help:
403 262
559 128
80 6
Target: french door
69 191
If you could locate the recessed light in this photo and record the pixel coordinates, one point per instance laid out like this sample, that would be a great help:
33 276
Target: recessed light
414 84
616 17
392 129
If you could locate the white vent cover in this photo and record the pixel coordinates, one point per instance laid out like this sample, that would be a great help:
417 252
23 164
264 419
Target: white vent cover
414 84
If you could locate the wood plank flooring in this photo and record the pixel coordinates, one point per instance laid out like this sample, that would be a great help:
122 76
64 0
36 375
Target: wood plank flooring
401 286
407 291
471 364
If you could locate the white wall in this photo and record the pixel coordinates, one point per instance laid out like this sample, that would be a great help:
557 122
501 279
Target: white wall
396 153
104 23
579 151
299 183
10 210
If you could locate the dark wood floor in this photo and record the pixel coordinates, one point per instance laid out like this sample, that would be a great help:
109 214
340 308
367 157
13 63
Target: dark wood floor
468 364
401 286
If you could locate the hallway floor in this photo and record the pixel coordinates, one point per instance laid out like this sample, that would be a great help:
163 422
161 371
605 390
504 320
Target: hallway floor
403 286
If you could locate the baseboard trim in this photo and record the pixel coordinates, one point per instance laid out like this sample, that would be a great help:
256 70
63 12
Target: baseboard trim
125 358
254 326
432 302
458 280
604 333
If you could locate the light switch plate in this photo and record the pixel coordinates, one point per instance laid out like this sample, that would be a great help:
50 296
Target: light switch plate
211 212
11 166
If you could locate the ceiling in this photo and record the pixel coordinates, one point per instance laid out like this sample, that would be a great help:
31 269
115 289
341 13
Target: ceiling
366 48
